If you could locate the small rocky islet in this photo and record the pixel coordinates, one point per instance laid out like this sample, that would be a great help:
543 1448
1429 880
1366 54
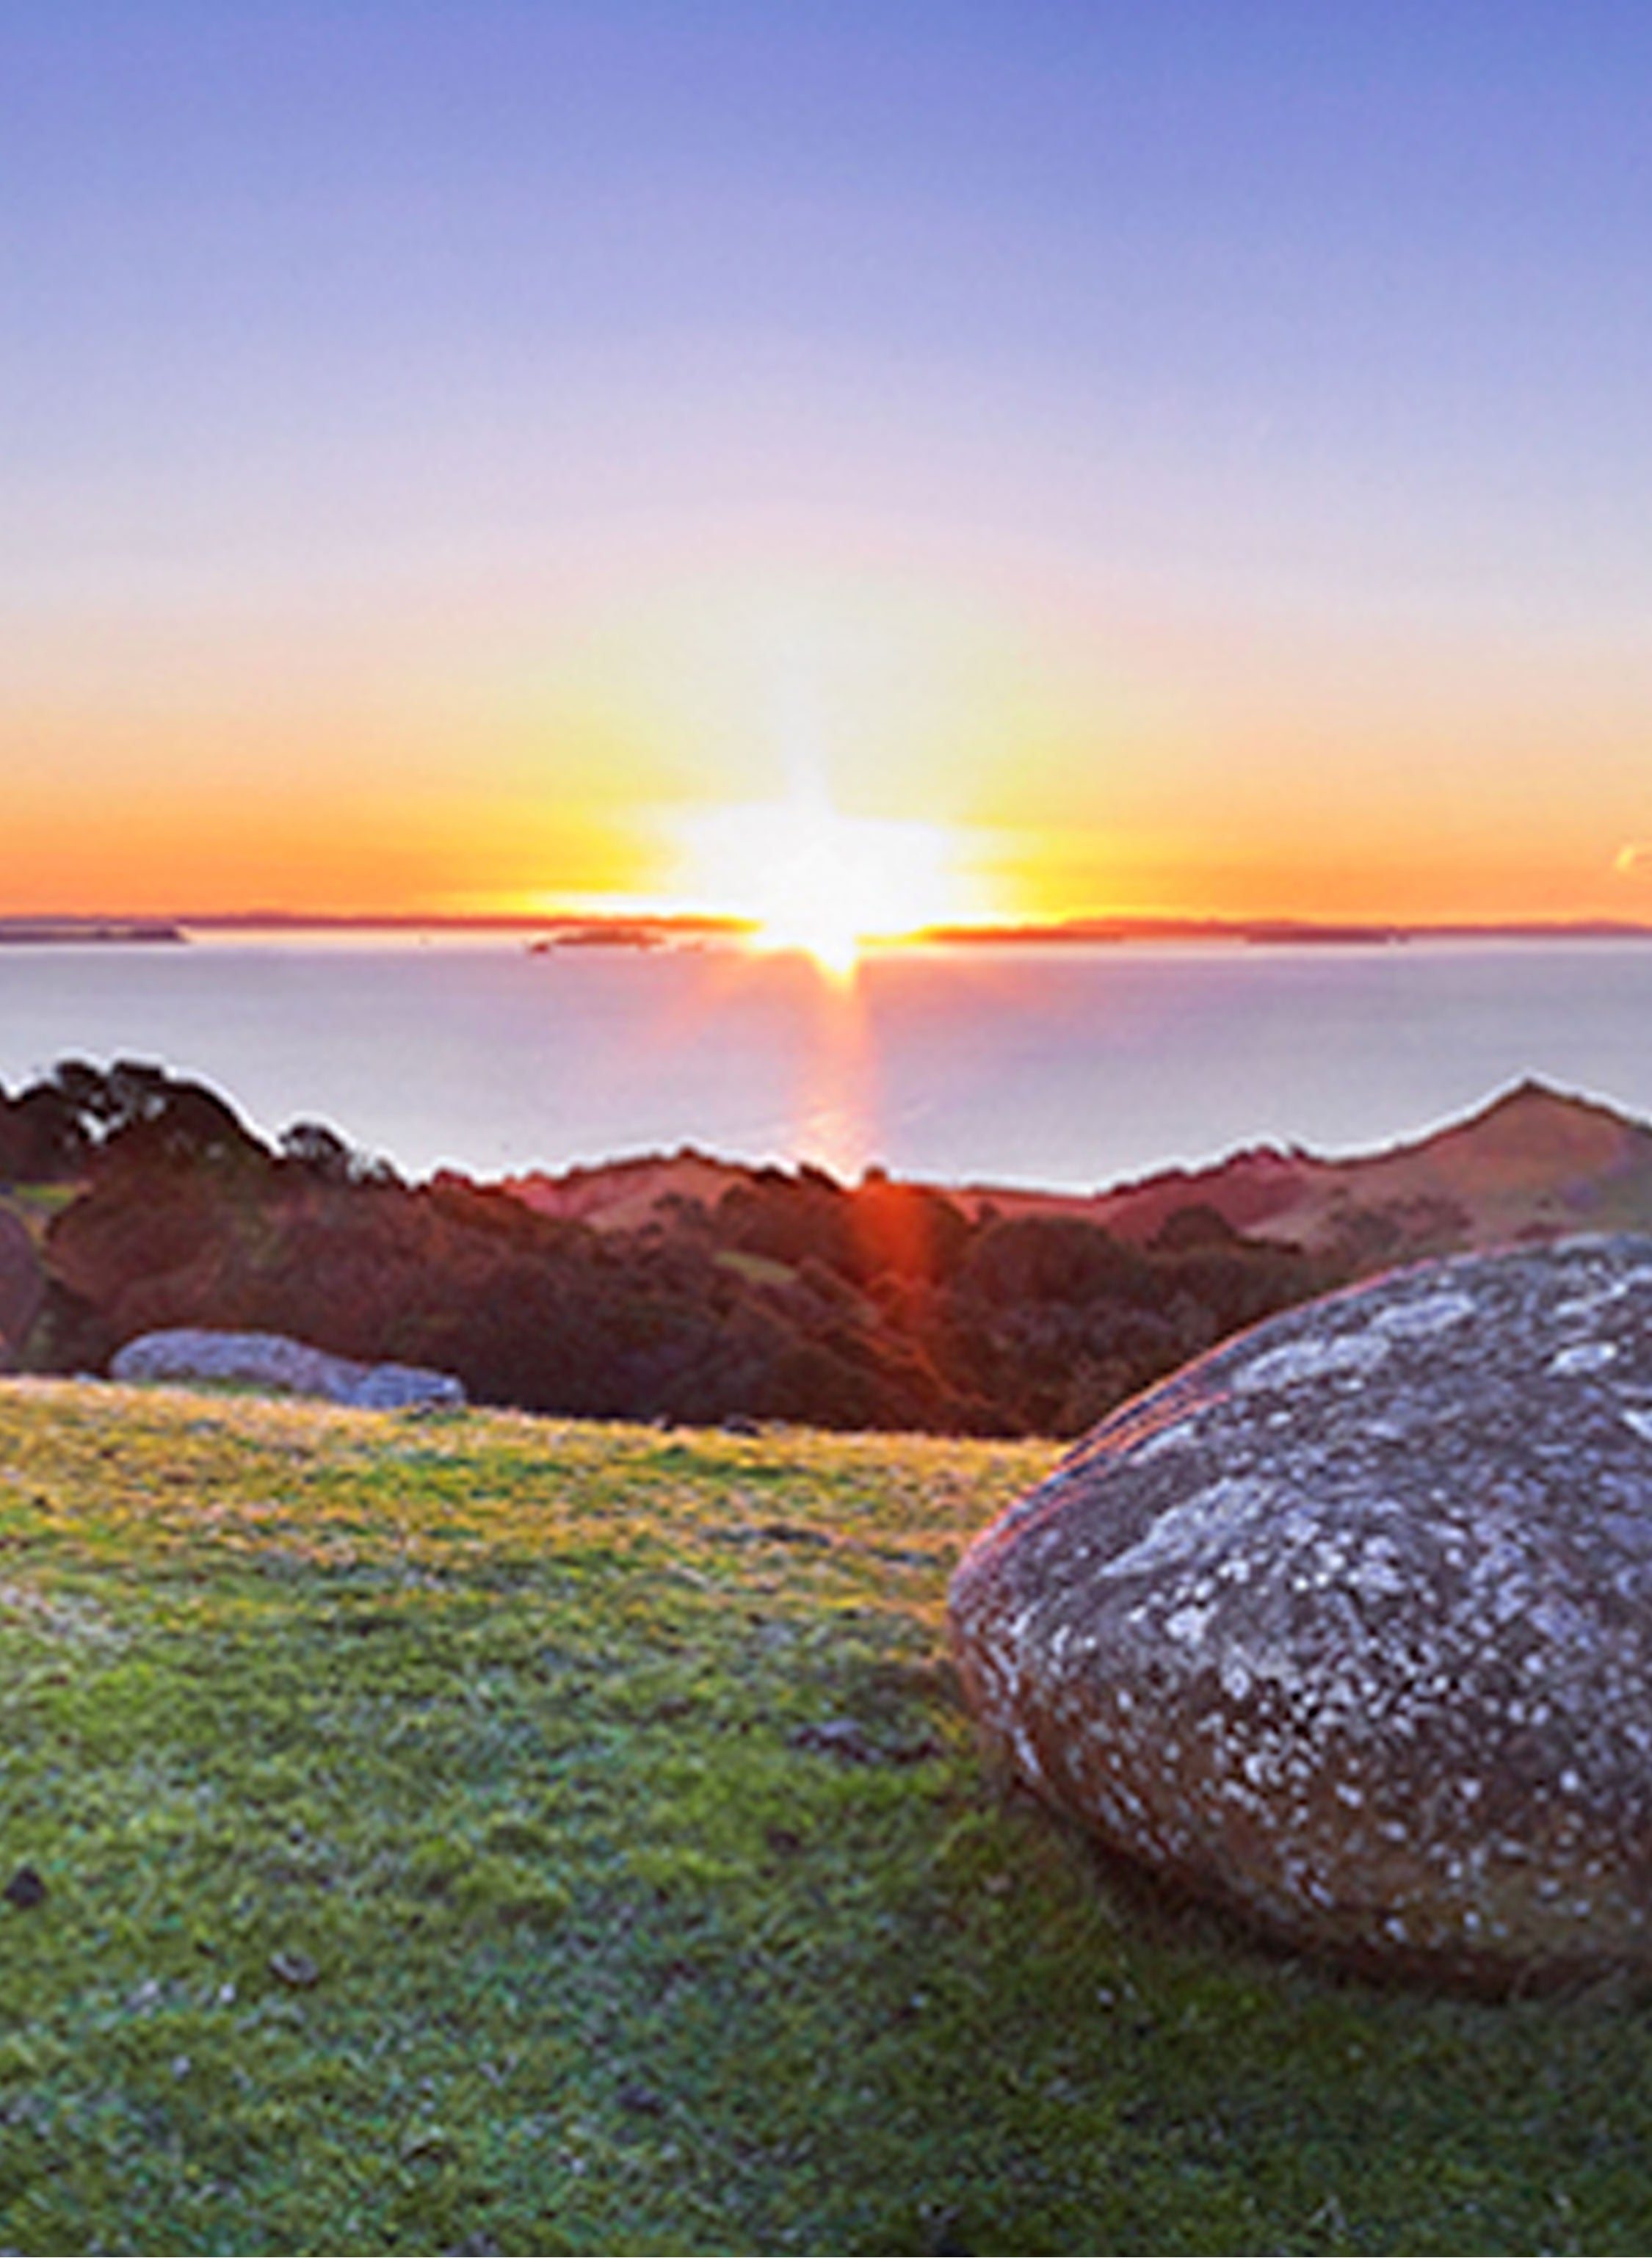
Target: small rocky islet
1348 1625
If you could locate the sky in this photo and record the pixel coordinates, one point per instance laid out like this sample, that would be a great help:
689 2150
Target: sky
1114 456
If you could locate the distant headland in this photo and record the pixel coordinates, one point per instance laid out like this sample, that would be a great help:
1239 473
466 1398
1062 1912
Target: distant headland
1275 932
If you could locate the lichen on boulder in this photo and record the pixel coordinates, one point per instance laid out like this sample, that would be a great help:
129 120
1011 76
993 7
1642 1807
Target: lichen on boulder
1349 1625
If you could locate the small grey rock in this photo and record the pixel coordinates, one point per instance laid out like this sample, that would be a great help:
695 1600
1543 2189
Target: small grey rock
296 1970
287 1367
836 1736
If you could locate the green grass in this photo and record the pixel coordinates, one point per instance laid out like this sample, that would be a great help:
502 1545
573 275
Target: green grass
479 1834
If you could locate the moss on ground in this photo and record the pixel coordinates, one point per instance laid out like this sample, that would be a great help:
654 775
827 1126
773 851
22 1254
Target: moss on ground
482 1834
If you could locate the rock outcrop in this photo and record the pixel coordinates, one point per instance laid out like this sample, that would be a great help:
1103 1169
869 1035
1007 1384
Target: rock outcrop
271 1360
1349 1625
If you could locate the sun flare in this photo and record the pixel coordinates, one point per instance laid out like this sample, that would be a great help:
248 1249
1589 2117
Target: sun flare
808 878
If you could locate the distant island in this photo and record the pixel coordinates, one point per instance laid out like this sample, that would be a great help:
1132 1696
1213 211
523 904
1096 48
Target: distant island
70 932
604 933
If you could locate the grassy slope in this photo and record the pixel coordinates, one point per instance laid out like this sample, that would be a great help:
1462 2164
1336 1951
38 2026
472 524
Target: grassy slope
495 1723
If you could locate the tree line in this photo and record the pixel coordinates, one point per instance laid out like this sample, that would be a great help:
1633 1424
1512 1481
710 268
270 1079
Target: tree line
791 1297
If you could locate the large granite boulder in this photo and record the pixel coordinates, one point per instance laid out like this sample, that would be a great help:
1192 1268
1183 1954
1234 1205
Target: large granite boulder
271 1360
1350 1624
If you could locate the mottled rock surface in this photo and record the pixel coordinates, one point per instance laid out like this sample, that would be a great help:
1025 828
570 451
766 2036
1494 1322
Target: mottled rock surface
1350 1623
274 1362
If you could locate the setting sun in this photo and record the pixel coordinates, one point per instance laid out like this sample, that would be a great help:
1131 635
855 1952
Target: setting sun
810 878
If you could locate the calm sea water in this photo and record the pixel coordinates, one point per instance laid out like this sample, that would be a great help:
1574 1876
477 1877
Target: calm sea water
1067 1067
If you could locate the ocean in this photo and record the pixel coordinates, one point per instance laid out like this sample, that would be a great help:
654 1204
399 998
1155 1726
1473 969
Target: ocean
1064 1067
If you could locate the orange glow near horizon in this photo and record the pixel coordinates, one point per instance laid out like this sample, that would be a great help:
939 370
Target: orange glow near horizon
830 758
797 863
829 743
810 878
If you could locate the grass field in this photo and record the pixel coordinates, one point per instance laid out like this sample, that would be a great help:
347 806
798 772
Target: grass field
483 1834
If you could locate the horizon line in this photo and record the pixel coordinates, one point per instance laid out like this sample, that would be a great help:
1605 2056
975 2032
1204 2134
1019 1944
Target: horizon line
1080 927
